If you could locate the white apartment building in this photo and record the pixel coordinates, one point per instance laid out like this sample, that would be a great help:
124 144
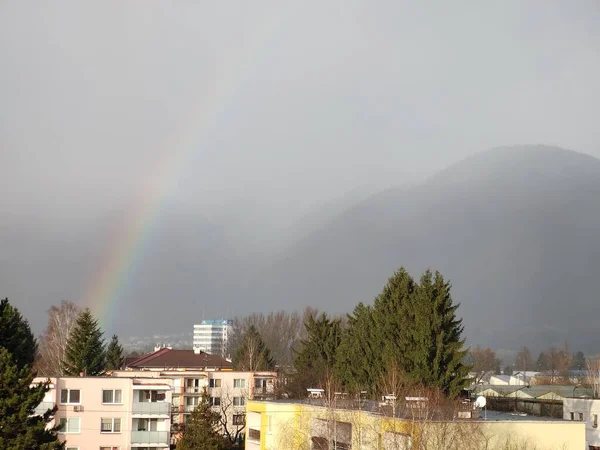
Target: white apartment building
210 336
585 410
110 413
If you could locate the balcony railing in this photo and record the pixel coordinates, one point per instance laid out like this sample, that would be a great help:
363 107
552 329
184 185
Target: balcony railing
43 407
150 437
194 389
152 408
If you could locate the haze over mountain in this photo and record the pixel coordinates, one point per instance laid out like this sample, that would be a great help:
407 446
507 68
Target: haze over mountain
161 162
515 229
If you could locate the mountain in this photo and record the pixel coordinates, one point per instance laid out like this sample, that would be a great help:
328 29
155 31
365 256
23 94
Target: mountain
514 228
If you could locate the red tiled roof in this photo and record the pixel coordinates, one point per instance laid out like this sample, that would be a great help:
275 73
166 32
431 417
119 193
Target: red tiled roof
167 358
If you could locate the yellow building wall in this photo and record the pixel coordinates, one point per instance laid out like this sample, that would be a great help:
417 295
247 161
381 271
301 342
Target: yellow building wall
290 429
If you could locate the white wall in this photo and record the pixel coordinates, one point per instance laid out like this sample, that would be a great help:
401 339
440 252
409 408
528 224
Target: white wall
589 408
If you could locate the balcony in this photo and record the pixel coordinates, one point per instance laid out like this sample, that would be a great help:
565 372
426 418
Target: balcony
43 407
151 408
140 438
194 390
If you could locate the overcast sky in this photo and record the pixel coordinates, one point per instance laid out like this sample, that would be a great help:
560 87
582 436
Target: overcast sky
272 106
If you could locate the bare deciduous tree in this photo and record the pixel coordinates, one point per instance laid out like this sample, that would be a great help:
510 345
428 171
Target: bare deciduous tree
281 332
524 360
232 417
482 361
53 343
593 375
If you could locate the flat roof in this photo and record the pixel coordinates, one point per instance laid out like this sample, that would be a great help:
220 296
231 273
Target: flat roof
502 416
369 406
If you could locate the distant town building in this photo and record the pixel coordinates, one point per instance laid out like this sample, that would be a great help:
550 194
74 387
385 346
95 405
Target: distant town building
210 336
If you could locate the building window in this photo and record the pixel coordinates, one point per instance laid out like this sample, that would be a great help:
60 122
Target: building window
149 424
215 383
109 448
215 401
239 383
239 419
254 435
112 396
70 425
572 415
70 396
111 425
72 448
595 421
581 417
239 401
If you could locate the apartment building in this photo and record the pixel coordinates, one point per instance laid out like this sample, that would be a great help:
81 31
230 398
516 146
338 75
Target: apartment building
191 372
211 336
585 410
297 424
111 413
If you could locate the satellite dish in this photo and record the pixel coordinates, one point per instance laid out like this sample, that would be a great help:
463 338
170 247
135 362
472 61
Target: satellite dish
480 402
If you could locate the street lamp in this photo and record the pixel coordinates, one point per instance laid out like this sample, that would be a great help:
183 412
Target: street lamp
575 387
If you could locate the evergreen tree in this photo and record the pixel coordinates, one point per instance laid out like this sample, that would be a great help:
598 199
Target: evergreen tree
85 347
578 361
410 332
542 362
253 355
16 335
114 354
200 431
19 427
315 361
437 347
358 361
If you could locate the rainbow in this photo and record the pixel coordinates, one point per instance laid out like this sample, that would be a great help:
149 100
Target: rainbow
108 282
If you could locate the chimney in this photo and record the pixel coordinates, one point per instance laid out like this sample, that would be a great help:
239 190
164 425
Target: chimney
197 350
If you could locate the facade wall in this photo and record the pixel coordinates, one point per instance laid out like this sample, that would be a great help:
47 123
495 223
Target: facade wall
82 402
285 426
211 336
229 390
586 411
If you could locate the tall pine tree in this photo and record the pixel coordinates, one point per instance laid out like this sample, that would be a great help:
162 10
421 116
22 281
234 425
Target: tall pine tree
436 349
20 427
411 331
201 429
85 347
252 354
114 354
376 338
315 361
15 335
358 360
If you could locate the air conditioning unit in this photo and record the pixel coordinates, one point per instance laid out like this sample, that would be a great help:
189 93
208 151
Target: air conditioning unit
78 408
